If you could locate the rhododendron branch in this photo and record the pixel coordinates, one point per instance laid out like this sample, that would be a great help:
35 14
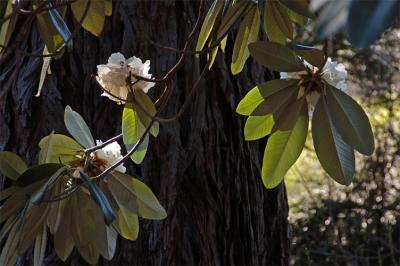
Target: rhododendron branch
103 144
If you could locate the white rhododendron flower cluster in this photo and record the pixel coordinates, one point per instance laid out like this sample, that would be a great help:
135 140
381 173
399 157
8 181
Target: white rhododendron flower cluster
114 76
111 153
333 73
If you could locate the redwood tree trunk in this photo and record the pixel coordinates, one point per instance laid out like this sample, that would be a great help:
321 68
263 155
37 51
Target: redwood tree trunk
201 169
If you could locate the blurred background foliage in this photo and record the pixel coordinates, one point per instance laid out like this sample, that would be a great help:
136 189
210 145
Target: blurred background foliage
357 225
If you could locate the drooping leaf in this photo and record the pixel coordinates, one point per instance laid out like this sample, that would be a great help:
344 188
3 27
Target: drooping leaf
56 148
60 25
9 253
89 253
127 224
7 192
287 116
132 131
350 121
277 23
11 165
282 150
99 198
77 127
95 16
135 196
257 127
248 33
208 23
144 100
40 247
296 18
233 14
108 7
44 71
275 56
335 155
83 222
298 6
56 209
63 237
367 20
256 95
38 196
38 172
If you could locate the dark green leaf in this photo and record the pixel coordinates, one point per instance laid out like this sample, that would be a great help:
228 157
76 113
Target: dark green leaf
298 6
275 56
335 155
48 33
39 172
11 165
232 15
313 56
99 198
82 218
350 121
277 23
7 27
78 128
60 26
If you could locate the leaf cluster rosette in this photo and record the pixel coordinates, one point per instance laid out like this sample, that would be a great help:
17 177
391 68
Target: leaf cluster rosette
62 196
310 86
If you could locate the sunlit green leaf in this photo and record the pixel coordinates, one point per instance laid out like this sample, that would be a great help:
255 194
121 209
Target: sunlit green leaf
282 150
335 155
208 23
248 33
256 95
11 165
350 121
257 127
78 128
132 131
144 100
275 56
127 224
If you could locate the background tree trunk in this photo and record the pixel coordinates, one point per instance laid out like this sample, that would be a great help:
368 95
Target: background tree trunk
201 169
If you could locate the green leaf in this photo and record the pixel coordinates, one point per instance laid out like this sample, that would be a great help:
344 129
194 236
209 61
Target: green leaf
135 196
335 155
108 7
132 131
56 148
277 23
287 116
350 121
256 95
127 224
248 33
60 25
95 17
313 56
89 253
7 192
274 102
7 27
99 198
82 218
77 127
298 6
144 100
63 237
257 127
282 150
231 17
296 18
38 172
48 33
11 165
208 23
275 56
38 196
